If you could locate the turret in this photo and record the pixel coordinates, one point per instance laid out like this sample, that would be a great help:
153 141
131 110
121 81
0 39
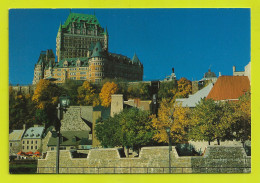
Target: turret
106 40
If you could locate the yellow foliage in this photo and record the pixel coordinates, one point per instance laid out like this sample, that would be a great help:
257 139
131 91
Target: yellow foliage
45 94
86 95
41 86
184 88
171 115
107 90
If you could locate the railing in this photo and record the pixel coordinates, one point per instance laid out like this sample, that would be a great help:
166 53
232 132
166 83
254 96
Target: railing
143 170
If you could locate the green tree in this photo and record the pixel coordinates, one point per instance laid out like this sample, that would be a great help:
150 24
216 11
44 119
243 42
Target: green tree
108 132
140 90
131 128
167 90
211 121
70 87
21 110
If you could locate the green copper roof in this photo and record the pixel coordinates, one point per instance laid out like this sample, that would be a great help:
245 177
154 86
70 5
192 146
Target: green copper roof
77 17
209 74
97 50
72 62
71 138
34 133
135 59
91 46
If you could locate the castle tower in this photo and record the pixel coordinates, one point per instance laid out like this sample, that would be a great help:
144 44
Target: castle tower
97 64
75 36
43 67
58 43
106 40
138 67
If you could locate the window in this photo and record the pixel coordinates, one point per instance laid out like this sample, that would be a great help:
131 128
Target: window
27 147
35 147
36 142
11 144
32 142
23 147
52 148
31 147
27 141
23 141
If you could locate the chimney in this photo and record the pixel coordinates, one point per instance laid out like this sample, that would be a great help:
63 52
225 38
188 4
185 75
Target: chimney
36 125
219 74
24 126
117 102
234 69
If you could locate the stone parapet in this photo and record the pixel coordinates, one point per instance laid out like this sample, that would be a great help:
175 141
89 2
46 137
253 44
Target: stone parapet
150 160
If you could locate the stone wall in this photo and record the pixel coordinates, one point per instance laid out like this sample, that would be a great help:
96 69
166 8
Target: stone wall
45 141
27 89
223 159
95 141
14 147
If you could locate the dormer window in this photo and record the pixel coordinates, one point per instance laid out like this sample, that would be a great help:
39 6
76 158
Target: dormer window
65 64
78 63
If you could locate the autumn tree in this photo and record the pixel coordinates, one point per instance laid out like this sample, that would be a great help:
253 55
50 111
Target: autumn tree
107 90
87 95
171 115
46 94
46 97
184 88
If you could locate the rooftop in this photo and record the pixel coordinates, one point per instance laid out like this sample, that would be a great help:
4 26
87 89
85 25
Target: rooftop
34 133
229 88
16 135
71 138
195 98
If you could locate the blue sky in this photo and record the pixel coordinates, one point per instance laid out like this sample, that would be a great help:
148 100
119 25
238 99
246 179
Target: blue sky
190 40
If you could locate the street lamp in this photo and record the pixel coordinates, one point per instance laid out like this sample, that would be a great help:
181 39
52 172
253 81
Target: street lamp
64 102
168 131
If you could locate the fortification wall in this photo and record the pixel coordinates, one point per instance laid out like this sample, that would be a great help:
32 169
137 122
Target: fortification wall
224 159
27 89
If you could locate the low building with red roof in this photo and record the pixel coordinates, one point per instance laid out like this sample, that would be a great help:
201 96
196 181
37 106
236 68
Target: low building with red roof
229 88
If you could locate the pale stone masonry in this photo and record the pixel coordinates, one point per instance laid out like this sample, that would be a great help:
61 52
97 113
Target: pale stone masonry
72 120
217 159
